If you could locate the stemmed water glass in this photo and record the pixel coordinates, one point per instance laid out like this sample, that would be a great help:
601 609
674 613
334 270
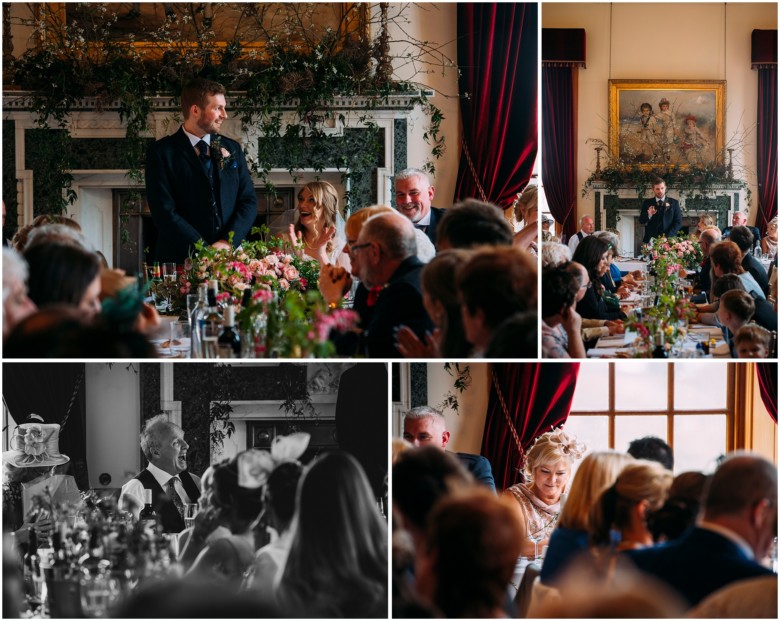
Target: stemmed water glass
537 538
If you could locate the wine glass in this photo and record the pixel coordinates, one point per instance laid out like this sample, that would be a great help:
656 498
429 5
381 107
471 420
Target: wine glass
190 511
537 538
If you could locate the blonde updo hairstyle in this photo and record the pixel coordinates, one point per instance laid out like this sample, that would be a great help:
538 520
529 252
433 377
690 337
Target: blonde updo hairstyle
551 447
638 481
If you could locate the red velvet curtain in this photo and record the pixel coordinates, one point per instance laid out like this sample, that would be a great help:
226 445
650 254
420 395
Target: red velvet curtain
538 397
767 146
497 56
559 149
767 382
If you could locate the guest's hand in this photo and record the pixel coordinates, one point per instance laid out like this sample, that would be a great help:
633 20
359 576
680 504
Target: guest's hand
651 210
411 346
572 322
623 292
615 327
334 283
221 244
296 239
148 319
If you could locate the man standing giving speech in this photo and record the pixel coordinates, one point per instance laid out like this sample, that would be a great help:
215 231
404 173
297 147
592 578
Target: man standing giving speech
661 215
197 182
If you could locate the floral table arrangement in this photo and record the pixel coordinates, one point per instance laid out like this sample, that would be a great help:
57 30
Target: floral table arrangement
669 261
279 310
97 555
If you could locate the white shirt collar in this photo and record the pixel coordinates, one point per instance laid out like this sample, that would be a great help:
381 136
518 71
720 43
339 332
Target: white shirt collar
160 475
425 220
195 140
730 535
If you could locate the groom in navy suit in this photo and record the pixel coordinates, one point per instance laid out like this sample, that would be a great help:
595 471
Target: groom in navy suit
733 536
661 215
197 182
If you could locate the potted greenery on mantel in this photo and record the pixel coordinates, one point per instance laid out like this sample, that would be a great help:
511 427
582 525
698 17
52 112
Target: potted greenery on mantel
278 62
692 182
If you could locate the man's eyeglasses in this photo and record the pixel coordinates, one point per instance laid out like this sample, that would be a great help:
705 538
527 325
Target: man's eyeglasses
359 246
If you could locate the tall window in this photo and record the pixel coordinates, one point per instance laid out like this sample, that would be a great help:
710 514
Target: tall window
689 405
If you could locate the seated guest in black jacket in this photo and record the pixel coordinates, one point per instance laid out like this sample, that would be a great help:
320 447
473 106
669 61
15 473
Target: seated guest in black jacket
593 254
765 315
740 219
386 256
734 535
742 236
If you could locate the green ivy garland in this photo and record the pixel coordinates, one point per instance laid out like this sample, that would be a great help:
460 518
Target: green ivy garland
78 59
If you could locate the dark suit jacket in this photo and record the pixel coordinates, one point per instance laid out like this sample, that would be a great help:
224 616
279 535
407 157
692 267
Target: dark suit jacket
361 429
479 467
765 316
697 564
667 223
183 202
436 215
757 271
399 304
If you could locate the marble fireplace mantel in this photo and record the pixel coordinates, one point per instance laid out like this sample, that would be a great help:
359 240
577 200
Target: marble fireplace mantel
99 126
620 209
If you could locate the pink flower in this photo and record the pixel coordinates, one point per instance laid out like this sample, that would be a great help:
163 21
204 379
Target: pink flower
271 260
291 273
304 283
284 284
263 294
221 297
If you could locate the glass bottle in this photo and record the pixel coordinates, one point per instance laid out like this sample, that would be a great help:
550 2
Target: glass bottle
196 323
212 326
229 341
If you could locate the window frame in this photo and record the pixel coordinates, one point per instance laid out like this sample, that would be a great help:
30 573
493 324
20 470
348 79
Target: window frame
734 409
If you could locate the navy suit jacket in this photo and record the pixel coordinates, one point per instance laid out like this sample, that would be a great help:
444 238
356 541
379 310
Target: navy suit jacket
183 202
479 467
399 304
697 564
436 215
667 224
757 271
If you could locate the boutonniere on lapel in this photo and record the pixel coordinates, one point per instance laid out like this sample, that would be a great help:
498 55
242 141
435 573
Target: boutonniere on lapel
220 155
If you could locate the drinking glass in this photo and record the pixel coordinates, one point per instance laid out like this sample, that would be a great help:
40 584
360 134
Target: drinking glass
537 538
180 333
190 511
97 594
169 272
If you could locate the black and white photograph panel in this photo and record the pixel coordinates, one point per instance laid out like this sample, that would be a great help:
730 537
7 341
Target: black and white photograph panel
587 490
198 490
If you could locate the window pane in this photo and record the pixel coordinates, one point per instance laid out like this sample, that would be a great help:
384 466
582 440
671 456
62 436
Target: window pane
640 387
690 378
592 392
628 428
698 441
593 431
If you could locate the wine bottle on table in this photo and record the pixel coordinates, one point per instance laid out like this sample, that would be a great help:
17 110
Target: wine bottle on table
660 350
148 516
229 340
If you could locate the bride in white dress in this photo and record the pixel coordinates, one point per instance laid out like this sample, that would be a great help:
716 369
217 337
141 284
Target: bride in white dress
317 224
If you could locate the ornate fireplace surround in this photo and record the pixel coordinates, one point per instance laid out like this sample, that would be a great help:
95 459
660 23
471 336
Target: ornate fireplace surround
99 173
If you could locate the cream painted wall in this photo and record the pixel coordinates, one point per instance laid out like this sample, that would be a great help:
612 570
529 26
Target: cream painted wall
700 41
113 409
437 24
467 427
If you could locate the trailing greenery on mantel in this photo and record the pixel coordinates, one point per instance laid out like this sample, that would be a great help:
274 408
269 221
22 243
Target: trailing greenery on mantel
293 77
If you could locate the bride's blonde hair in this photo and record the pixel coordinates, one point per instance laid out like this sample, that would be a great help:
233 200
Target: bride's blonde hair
325 196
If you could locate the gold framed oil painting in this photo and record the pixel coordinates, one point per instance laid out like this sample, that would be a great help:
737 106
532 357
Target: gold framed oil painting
655 123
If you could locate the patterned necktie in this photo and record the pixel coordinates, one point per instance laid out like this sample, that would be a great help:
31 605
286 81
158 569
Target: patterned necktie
203 155
660 205
170 488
